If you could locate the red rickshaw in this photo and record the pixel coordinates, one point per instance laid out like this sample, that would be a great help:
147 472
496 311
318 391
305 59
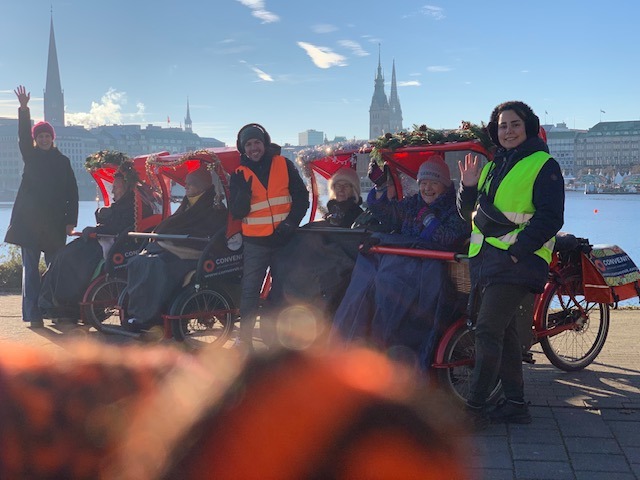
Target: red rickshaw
570 319
205 308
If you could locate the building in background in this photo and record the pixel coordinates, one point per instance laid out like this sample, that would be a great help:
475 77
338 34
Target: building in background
609 144
384 115
310 138
562 145
77 143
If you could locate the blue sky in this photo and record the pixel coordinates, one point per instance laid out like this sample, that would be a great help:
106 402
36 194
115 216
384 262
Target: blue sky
297 65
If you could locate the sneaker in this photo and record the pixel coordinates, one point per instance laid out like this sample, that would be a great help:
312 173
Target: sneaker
476 417
507 411
36 324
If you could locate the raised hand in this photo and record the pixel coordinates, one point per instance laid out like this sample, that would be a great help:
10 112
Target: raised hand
23 96
376 174
470 170
238 183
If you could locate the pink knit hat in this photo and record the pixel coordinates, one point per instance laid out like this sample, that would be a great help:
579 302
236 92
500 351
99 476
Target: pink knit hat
41 127
346 174
435 169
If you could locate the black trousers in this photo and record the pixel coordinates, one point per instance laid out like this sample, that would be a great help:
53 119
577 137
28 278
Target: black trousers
498 342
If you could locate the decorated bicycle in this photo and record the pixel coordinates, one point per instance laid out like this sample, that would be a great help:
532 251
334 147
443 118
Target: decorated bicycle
139 205
203 310
570 320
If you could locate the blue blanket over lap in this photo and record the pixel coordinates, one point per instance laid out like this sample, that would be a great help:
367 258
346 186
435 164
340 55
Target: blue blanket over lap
396 301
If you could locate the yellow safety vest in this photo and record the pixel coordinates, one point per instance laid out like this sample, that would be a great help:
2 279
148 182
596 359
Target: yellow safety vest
514 198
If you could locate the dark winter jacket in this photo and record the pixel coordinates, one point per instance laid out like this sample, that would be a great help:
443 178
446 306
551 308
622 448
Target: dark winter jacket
438 223
240 203
343 214
203 219
492 265
47 199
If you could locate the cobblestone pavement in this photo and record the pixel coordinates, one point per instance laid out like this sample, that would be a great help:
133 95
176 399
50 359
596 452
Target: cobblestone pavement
586 424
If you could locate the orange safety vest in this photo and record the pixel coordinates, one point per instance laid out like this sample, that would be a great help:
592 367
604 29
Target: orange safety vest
271 205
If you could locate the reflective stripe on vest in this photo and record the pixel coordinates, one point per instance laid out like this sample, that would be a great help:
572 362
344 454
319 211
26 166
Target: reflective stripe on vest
270 205
514 198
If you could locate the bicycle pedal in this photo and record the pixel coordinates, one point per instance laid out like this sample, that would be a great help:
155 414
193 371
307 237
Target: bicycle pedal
527 357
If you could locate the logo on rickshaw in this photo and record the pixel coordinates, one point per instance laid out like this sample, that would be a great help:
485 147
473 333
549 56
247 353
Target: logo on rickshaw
118 258
209 266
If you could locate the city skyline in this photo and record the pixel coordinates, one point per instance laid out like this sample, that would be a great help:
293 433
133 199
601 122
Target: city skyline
294 67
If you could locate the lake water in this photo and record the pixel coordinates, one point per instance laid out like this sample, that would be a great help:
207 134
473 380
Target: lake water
603 219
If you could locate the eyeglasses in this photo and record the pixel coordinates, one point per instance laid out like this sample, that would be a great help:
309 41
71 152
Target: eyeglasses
342 185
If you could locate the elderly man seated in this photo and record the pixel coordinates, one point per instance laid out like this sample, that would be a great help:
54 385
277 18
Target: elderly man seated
157 272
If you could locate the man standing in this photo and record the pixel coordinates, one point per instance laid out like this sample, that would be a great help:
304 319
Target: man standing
268 194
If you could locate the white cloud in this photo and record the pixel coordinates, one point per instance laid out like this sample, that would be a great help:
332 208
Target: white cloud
262 75
258 10
438 69
410 83
324 28
355 47
433 11
108 111
323 57
371 39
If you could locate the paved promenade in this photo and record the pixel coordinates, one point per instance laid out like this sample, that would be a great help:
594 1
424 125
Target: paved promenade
586 424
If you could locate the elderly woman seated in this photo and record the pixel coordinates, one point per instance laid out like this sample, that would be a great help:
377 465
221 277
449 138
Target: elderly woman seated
154 275
69 275
395 302
344 202
315 267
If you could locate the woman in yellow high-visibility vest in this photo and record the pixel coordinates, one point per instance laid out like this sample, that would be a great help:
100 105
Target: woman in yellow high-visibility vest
270 197
516 206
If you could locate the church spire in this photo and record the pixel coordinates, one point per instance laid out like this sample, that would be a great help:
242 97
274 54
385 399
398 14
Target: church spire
395 114
379 109
188 127
53 94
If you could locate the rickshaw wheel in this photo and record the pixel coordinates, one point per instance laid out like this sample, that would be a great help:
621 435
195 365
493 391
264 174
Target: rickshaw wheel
576 348
458 379
102 298
204 328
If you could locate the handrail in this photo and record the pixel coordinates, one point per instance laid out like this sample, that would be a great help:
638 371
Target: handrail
419 253
168 236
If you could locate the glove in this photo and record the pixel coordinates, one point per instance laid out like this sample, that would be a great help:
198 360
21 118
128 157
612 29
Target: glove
368 243
87 232
284 231
377 175
239 185
430 223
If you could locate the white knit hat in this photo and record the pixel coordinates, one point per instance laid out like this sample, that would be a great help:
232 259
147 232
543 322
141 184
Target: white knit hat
345 174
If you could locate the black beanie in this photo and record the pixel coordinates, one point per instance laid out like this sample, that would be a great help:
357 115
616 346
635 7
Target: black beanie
524 111
249 132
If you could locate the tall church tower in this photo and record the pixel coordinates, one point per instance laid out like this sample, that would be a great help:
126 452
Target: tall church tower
395 113
379 109
188 126
53 95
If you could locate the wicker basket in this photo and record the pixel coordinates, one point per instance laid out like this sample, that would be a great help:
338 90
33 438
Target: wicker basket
459 273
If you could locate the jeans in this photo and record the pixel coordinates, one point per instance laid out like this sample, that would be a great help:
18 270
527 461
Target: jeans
257 259
498 342
31 282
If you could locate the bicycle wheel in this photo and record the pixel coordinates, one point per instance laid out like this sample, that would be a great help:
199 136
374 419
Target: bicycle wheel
211 322
101 299
457 379
577 347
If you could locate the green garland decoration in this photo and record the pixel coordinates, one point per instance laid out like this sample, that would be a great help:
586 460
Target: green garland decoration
423 135
99 159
